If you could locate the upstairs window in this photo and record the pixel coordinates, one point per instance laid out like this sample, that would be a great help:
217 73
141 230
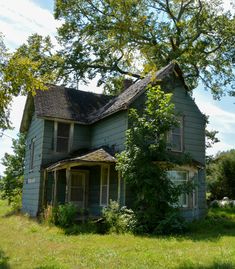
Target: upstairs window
175 137
62 136
31 154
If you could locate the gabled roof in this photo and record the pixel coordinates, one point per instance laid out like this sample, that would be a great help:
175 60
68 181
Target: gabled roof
86 107
122 101
95 156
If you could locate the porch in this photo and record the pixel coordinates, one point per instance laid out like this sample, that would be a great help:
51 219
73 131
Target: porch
88 181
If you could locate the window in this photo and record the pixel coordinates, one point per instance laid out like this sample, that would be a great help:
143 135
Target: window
31 156
195 192
175 137
63 134
77 189
179 178
104 186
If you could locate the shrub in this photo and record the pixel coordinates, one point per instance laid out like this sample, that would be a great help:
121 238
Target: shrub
16 202
118 219
66 215
172 224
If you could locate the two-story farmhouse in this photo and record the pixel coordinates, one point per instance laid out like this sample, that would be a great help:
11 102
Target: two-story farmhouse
72 138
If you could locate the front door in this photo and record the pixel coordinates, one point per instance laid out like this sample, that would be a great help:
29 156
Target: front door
77 189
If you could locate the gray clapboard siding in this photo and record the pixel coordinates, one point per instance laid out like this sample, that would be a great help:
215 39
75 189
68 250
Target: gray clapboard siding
31 188
194 124
110 131
81 139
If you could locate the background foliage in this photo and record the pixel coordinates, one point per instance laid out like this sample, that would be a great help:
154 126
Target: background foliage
221 175
12 182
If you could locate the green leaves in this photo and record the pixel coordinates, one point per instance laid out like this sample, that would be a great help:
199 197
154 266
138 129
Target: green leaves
140 164
12 181
132 38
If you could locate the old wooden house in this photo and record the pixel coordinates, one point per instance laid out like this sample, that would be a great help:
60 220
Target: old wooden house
72 138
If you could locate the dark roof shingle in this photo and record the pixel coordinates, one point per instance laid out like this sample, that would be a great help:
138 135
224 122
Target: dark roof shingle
67 103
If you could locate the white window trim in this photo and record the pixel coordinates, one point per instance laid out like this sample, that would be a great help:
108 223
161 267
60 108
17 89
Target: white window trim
71 134
101 190
187 195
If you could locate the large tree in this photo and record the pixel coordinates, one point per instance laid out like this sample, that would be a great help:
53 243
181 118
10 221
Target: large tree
5 96
133 37
124 38
28 69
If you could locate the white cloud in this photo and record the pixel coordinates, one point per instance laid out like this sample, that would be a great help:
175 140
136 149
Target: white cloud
19 19
220 119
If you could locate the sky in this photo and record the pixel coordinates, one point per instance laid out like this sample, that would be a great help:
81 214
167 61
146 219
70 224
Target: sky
21 18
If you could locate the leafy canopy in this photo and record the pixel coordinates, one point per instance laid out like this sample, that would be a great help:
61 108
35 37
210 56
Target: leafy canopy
5 95
141 162
26 70
124 39
12 182
133 37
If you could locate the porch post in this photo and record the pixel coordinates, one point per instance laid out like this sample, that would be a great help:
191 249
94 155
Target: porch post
119 186
43 188
68 175
55 188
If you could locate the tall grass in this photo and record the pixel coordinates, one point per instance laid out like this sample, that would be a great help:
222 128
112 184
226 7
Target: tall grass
24 243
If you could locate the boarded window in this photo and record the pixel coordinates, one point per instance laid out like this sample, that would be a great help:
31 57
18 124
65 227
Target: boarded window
31 157
62 138
104 186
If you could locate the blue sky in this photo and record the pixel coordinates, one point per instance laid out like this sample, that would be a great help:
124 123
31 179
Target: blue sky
20 18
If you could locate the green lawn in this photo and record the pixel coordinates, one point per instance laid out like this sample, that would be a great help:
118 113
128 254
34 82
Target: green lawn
26 244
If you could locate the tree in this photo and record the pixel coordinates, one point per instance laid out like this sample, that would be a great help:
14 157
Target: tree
28 69
125 39
12 182
5 97
221 175
135 37
141 163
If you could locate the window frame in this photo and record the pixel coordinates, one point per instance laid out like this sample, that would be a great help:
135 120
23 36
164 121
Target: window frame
186 205
31 154
101 185
70 137
181 135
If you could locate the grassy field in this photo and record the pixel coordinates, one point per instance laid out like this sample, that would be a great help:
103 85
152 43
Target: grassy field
26 244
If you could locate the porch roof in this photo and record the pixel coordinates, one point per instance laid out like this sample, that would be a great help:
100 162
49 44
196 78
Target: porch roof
95 156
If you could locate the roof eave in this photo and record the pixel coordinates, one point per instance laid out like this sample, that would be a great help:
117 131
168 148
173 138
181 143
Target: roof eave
27 114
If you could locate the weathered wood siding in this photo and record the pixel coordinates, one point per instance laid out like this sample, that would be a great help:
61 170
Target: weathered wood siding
32 178
110 132
194 124
193 137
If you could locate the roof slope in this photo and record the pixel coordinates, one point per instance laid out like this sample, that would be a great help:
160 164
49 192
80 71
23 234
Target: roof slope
98 155
67 103
87 107
122 101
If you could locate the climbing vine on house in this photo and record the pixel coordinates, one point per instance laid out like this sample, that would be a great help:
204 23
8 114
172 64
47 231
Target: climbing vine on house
141 164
